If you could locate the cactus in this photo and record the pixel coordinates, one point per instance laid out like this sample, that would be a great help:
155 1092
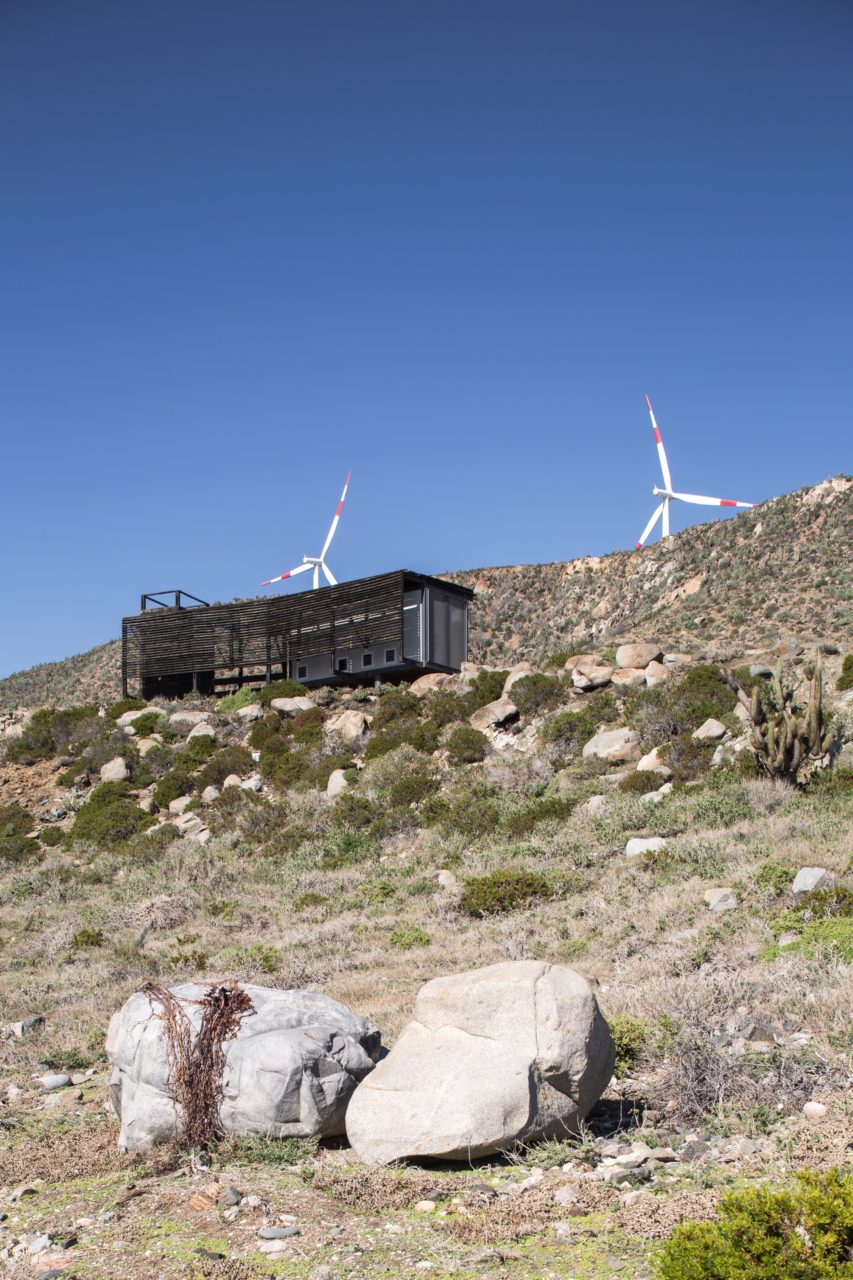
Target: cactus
788 741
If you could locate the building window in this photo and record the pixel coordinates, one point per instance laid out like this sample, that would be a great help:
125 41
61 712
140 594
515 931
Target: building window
343 664
390 655
301 673
367 660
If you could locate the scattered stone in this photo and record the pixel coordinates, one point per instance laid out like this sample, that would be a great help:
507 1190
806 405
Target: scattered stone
278 1233
709 730
591 672
808 879
428 683
447 881
693 1150
115 770
55 1080
252 783
426 1206
210 794
292 706
652 762
229 1197
186 719
289 1070
644 844
27 1026
567 1194
637 655
144 745
202 730
494 715
656 673
514 1052
350 726
337 783
629 678
814 1111
613 745
254 711
518 672
180 805
231 781
720 899
595 804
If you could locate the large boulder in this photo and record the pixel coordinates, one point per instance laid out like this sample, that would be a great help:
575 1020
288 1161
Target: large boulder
493 715
289 1071
115 770
637 655
516 1052
614 745
591 672
350 726
292 706
429 682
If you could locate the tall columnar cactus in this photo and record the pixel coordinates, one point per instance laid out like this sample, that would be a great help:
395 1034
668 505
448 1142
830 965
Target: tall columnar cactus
789 740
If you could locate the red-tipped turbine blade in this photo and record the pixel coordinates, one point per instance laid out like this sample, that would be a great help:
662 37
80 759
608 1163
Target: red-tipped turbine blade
335 519
664 465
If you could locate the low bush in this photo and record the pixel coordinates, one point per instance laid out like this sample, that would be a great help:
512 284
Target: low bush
520 822
467 812
536 693
88 938
405 937
687 758
148 723
251 959
570 730
770 877
15 826
845 680
405 731
412 787
639 784
110 816
177 782
55 733
630 1035
503 891
50 836
228 760
244 697
676 708
346 849
466 745
801 1232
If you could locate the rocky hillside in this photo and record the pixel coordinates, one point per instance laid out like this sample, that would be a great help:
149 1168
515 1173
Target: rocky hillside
608 816
780 573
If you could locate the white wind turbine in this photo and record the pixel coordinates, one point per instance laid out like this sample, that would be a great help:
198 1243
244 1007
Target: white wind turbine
668 494
317 562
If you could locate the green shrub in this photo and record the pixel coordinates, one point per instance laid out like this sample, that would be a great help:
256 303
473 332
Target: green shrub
395 703
466 812
269 1151
55 733
146 724
521 821
801 1232
466 745
687 757
15 826
676 708
639 784
244 697
110 816
174 784
346 849
220 766
570 730
773 878
486 687
536 693
126 704
255 957
50 836
845 680
501 891
306 728
278 689
412 787
309 901
405 937
405 731
267 732
88 938
630 1035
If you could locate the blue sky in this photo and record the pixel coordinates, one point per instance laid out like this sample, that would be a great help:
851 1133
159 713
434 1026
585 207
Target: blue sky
246 246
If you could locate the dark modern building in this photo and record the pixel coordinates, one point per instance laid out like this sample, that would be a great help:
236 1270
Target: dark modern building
395 626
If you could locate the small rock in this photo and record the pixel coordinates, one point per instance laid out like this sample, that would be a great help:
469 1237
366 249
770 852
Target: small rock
228 1197
708 731
613 745
720 899
567 1194
252 784
278 1233
27 1026
494 715
210 794
426 1206
447 880
180 805
656 673
254 711
644 844
201 730
231 781
637 655
55 1080
693 1150
291 706
814 1111
809 878
115 770
337 783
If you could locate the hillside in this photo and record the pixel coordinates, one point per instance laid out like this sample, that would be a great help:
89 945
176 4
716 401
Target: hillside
358 843
779 573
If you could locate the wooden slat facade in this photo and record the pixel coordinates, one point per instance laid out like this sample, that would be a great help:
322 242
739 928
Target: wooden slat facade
267 634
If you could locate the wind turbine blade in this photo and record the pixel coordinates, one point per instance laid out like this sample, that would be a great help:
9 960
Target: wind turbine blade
291 573
657 515
664 528
316 576
701 501
335 519
330 577
664 465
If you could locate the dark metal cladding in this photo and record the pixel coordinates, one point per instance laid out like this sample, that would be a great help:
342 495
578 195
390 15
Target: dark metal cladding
170 649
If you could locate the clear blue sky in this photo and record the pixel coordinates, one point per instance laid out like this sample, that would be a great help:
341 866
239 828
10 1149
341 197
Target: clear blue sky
450 244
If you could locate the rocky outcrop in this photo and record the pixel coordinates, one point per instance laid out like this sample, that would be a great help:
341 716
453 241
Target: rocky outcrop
494 715
516 1052
614 745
